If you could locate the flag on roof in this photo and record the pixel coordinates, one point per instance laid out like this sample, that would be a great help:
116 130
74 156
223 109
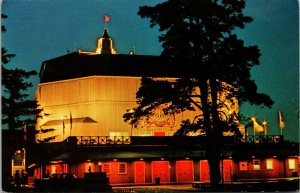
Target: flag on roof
106 18
257 128
280 120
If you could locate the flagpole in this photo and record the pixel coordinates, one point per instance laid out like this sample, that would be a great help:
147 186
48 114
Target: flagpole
71 122
253 119
63 130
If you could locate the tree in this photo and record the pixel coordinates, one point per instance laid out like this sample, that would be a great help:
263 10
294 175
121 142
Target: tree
18 112
199 35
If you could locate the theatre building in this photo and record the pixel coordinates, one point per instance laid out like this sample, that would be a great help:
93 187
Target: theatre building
84 96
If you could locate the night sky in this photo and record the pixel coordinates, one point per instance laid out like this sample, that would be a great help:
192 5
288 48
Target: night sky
39 30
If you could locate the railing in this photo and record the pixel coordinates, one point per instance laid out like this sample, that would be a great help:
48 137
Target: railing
165 141
264 139
103 140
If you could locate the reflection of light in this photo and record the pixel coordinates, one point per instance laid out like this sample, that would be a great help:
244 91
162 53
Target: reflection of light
274 156
253 156
115 160
18 151
187 158
162 158
141 159
90 164
230 157
99 163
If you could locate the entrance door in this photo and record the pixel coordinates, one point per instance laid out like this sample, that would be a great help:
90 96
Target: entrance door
139 168
160 169
204 171
227 170
184 171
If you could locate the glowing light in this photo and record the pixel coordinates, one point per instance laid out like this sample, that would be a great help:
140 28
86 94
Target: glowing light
115 160
162 158
264 122
141 159
99 163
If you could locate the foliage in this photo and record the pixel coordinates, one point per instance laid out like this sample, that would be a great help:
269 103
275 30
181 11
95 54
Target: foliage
200 36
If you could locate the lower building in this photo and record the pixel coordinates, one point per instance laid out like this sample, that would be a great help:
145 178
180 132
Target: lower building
145 160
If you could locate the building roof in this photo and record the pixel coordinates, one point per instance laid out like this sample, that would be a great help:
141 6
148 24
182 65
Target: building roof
78 65
115 154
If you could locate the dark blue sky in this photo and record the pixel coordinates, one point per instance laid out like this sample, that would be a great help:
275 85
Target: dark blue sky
39 30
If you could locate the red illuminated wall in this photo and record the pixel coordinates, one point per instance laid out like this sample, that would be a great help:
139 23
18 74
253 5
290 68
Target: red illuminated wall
204 171
280 169
185 171
160 169
139 172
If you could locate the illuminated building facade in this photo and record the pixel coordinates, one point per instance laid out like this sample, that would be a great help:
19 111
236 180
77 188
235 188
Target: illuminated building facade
84 96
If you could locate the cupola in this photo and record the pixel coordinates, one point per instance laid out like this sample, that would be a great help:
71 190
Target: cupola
105 44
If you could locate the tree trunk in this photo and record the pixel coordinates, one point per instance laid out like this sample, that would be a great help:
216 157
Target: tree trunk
213 157
217 134
212 150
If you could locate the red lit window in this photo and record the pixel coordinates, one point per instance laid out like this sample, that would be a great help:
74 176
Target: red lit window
256 164
106 168
122 168
243 166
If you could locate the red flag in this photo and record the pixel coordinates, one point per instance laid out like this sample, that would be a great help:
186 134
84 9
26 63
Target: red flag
106 18
25 131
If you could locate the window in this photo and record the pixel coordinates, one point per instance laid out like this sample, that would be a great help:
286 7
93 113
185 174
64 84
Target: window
122 168
53 169
269 163
106 168
292 164
256 164
112 134
243 166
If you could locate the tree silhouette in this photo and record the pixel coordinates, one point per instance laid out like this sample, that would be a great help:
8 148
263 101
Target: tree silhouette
18 112
199 35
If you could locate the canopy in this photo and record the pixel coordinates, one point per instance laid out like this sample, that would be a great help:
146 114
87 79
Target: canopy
67 121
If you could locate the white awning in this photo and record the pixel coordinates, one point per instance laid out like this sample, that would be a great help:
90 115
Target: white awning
67 121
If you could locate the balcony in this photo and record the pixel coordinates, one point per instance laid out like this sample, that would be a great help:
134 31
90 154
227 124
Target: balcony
264 139
96 141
